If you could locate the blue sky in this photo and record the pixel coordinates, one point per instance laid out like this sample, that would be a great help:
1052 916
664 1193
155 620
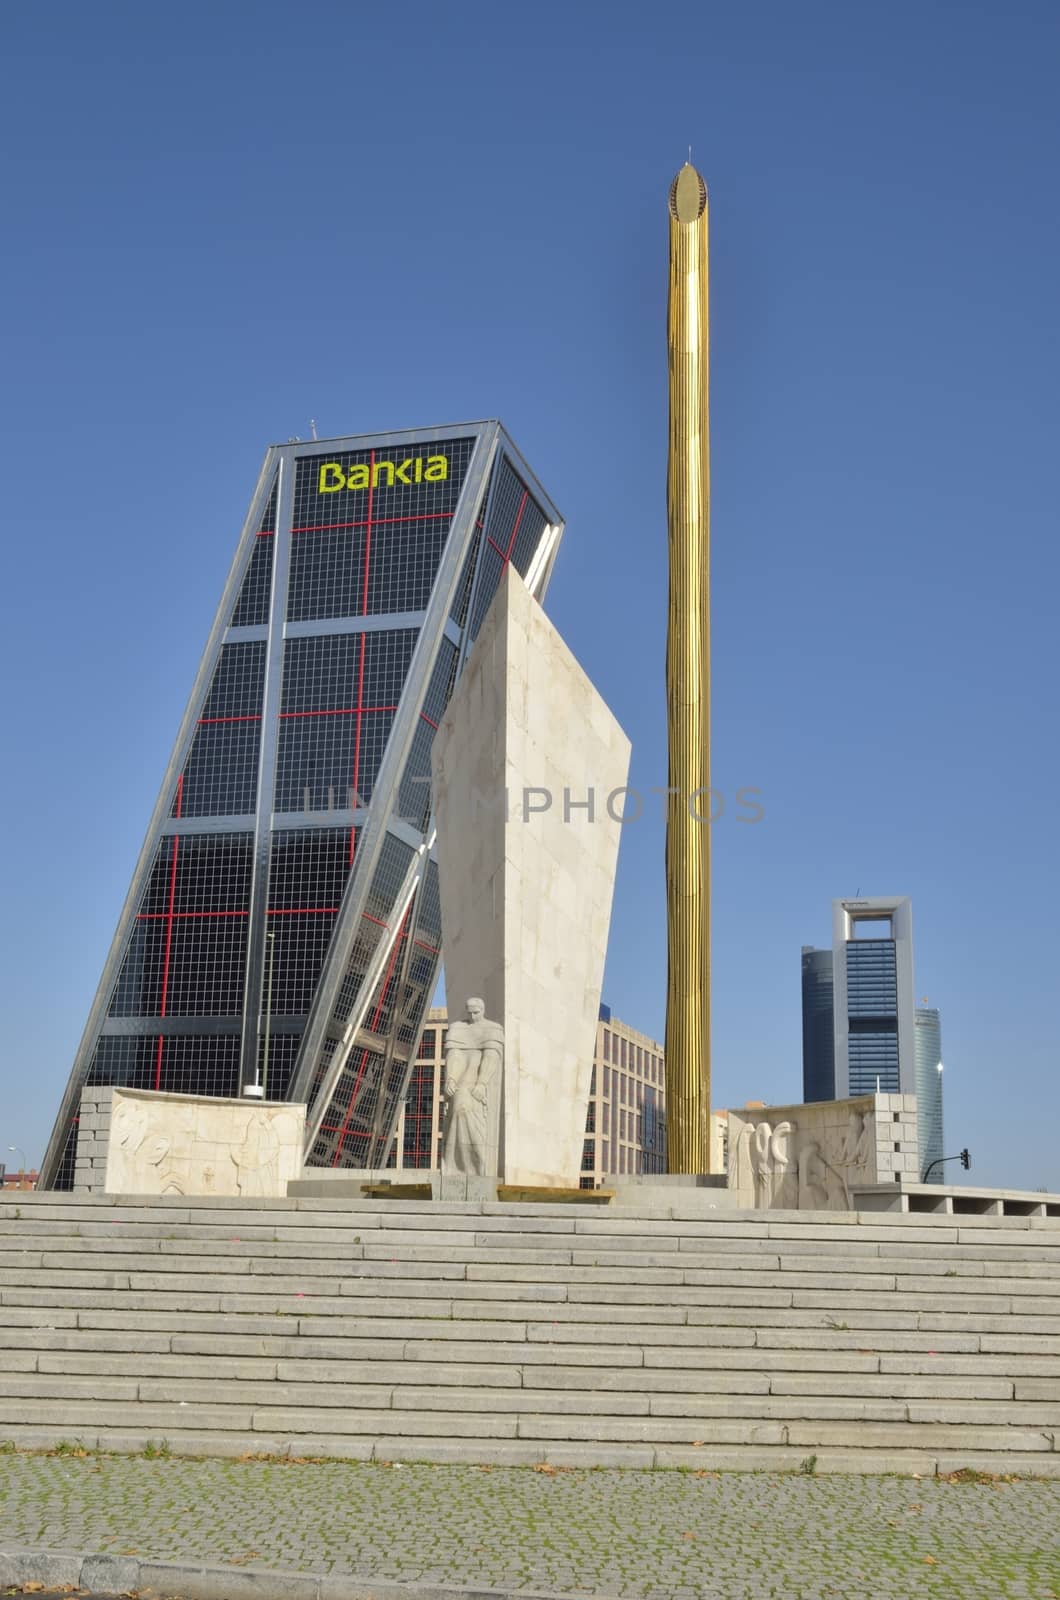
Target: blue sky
224 220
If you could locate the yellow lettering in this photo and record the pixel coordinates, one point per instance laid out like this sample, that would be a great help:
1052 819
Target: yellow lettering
412 470
332 477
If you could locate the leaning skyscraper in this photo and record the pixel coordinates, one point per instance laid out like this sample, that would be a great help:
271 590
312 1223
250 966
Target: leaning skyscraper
282 924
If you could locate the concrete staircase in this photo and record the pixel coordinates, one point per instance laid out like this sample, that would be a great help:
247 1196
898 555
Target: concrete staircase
531 1333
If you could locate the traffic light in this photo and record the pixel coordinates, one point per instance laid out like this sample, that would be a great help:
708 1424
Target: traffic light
966 1160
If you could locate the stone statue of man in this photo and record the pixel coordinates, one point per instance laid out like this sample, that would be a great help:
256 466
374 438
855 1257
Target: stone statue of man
474 1053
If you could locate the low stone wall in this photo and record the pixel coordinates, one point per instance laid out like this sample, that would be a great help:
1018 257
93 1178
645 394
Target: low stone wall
134 1141
967 1200
812 1157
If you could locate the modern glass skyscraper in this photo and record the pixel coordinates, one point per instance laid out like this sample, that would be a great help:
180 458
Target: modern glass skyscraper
872 964
282 925
861 1031
818 1032
929 1090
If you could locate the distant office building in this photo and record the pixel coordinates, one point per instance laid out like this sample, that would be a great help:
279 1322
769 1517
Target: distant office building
719 1141
625 1125
862 1032
625 1129
929 1090
873 997
818 1027
282 929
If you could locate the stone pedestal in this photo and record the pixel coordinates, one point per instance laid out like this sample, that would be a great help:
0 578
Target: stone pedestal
529 766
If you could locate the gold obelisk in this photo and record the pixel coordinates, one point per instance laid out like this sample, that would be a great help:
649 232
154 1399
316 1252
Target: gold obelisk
688 686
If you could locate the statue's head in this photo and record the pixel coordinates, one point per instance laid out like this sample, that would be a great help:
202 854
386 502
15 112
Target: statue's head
476 1009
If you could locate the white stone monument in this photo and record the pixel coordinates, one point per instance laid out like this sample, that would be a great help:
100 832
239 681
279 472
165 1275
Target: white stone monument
138 1141
472 1081
529 768
814 1157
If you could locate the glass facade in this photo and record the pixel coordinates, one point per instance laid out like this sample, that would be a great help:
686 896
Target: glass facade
282 926
858 1003
818 1025
929 1091
872 1015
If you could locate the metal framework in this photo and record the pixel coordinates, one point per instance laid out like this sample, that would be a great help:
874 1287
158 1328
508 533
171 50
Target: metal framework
282 924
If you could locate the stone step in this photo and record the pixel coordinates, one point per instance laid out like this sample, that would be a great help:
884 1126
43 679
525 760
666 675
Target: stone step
808 1434
240 1257
840 1301
18 1360
1035 1413
534 1426
88 1308
1038 1388
373 1294
191 1238
321 1212
1014 1366
326 1374
865 1276
140 1363
894 1386
139 1366
923 1435
46 1386
868 1275
342 1330
712 1348
268 1238
748 1458
701 1332
262 1395
337 1335
73 1415
946 1297
54 1315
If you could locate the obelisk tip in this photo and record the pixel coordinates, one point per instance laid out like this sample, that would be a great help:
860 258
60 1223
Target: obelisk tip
688 195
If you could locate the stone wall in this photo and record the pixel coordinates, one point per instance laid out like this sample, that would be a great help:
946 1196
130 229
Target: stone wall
93 1140
812 1156
133 1141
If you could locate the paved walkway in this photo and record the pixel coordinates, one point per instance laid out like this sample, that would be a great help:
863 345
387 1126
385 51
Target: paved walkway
623 1533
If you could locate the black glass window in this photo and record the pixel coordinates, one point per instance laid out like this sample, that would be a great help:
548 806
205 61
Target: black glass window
370 526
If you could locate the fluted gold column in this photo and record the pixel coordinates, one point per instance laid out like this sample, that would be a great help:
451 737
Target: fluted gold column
688 685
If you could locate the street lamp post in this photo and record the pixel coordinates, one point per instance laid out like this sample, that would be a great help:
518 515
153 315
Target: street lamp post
257 1089
16 1150
271 937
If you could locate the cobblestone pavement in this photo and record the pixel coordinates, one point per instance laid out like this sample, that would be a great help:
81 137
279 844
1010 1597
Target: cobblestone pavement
651 1535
